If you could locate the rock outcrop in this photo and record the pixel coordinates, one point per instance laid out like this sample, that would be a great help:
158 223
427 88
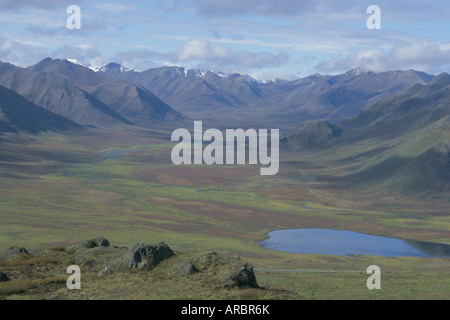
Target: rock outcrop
14 252
94 243
229 271
141 256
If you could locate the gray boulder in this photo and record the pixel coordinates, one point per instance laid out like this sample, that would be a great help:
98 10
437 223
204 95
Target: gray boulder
228 271
95 243
141 256
186 267
99 242
94 253
14 252
241 276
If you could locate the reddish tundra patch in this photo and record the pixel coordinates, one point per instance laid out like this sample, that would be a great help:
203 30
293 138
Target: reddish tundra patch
196 176
251 219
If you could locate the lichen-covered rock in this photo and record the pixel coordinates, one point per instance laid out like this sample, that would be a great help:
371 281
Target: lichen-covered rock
227 271
186 267
241 276
141 256
96 242
94 253
14 252
146 257
209 260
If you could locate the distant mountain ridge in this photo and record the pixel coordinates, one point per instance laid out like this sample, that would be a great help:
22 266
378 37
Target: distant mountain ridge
317 97
59 96
132 102
189 91
84 96
114 95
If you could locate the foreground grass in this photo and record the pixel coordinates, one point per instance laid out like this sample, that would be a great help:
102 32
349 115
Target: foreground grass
414 285
42 276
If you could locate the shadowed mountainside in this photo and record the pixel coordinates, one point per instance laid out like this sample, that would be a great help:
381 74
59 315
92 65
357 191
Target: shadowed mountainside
59 96
84 96
18 114
130 101
312 134
405 140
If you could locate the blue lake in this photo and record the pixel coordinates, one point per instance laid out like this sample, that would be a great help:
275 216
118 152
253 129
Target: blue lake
347 243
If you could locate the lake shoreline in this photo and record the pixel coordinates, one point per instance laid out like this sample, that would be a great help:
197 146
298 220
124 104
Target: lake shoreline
349 243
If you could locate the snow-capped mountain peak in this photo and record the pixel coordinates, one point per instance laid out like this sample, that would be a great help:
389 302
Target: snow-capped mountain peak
112 67
75 61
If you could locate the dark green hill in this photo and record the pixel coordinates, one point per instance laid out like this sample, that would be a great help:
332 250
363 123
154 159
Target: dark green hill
313 134
401 143
414 129
427 173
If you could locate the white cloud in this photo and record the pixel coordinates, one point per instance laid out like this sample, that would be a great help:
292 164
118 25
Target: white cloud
225 58
139 59
261 37
86 53
18 53
274 75
194 50
426 56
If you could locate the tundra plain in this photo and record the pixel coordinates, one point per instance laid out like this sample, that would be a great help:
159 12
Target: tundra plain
56 190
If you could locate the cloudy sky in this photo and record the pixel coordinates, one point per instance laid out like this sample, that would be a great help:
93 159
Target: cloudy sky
264 38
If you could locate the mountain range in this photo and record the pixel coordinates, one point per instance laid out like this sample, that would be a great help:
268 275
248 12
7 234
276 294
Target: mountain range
84 96
114 95
394 125
209 94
